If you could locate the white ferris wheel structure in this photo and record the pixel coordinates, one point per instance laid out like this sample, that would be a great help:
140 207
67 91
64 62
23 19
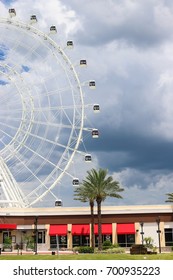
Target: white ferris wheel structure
42 115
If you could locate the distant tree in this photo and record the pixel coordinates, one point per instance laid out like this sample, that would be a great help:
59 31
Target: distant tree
98 186
170 197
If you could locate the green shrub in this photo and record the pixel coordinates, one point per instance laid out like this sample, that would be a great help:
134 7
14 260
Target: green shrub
29 240
119 250
7 243
83 249
116 245
148 242
106 244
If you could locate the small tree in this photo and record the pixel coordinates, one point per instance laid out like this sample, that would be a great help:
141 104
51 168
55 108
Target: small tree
84 194
148 242
98 186
7 243
29 242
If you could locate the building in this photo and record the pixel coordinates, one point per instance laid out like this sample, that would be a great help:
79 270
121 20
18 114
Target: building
70 227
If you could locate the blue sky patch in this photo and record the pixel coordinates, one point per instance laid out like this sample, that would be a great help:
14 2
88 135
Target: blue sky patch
2 54
3 83
6 2
25 68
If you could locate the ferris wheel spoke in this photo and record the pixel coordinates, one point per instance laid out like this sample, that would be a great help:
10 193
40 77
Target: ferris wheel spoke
42 111
20 160
34 152
4 132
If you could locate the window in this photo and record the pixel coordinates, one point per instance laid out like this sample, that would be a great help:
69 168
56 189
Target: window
126 240
41 237
60 240
81 240
105 237
169 236
6 234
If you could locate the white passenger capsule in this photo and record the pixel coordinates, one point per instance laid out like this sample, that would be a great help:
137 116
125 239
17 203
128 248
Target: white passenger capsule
33 19
75 182
95 133
88 158
53 29
96 108
12 12
92 84
70 44
83 63
58 203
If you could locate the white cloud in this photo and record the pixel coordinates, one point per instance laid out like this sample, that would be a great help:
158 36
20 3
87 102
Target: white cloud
128 47
49 86
144 187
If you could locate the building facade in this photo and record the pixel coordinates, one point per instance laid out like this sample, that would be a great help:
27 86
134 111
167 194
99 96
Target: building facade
48 228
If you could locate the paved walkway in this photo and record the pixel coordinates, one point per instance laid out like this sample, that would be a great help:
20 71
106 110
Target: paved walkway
22 252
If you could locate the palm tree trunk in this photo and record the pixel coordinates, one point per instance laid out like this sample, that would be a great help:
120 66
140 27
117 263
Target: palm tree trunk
99 224
92 224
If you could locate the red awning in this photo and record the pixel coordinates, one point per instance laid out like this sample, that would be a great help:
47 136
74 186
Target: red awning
106 229
8 226
58 230
126 229
81 229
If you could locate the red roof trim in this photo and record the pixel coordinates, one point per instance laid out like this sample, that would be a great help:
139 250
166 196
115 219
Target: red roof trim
58 230
8 226
126 229
81 229
106 229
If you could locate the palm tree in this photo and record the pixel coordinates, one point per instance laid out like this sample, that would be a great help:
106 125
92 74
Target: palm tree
85 195
100 186
170 197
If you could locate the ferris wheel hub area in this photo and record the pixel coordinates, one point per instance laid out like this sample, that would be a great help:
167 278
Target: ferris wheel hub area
42 113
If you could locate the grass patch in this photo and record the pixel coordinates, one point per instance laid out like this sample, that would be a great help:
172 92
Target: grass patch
163 256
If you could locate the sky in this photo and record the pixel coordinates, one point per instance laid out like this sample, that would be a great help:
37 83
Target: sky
128 45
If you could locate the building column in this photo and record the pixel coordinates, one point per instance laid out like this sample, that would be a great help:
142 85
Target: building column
69 236
137 235
47 237
114 235
162 235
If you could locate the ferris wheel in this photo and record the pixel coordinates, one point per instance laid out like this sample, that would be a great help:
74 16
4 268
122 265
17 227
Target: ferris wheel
42 113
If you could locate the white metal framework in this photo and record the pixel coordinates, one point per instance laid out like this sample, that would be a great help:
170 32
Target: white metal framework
42 112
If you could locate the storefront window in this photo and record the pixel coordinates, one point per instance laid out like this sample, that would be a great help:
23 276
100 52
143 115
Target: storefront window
81 240
41 237
6 234
105 237
126 240
169 236
60 240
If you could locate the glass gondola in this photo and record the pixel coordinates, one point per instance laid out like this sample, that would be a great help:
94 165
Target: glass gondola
53 29
96 108
75 182
33 19
92 84
12 12
88 158
83 62
58 203
95 133
70 44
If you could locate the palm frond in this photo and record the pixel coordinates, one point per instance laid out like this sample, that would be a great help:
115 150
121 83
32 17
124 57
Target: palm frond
170 197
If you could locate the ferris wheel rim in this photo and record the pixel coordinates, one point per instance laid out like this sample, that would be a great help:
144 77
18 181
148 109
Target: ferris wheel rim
28 27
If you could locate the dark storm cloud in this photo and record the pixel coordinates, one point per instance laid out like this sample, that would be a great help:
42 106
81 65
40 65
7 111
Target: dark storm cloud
128 46
120 149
